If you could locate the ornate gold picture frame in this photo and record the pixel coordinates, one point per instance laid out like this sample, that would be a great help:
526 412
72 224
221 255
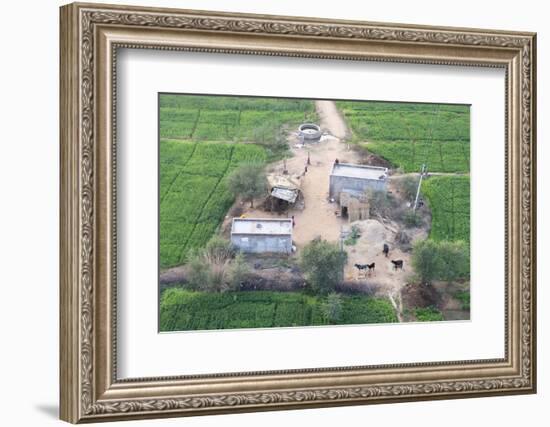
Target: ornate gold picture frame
90 37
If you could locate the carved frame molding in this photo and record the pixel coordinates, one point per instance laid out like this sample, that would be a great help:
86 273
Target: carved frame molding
90 36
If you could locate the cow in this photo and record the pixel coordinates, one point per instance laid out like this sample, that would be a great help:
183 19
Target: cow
386 250
397 264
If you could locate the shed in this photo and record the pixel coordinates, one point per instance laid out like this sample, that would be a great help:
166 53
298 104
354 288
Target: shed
356 178
262 235
284 190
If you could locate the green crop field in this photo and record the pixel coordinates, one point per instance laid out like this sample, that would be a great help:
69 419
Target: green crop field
227 118
449 200
193 192
182 310
409 135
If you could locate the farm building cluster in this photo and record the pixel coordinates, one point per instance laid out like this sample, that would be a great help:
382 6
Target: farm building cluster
348 185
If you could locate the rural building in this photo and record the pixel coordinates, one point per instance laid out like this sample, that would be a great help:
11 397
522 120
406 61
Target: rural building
354 206
355 179
262 235
284 191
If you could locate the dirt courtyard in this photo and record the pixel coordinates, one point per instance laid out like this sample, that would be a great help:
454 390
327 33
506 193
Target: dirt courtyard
319 216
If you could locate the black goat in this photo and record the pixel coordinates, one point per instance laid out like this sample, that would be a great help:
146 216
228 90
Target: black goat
397 264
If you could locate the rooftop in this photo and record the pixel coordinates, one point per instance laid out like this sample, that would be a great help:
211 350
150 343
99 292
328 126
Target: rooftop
359 171
261 226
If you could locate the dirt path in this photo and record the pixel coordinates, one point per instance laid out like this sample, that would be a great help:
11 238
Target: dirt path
331 119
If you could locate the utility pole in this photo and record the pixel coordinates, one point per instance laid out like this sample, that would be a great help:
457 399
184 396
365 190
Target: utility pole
419 184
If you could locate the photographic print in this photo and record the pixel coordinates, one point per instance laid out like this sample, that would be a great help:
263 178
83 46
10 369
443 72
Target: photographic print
280 212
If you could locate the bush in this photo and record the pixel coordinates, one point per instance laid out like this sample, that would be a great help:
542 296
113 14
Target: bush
213 269
238 272
429 314
464 298
332 308
354 235
322 263
198 272
444 260
218 250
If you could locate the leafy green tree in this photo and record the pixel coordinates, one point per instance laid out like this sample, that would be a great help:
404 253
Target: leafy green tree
248 181
443 260
322 263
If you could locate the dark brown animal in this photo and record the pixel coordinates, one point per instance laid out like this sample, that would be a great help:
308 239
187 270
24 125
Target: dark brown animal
386 250
397 264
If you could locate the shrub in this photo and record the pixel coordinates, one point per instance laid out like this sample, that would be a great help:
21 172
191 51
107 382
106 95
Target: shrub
198 272
412 219
354 235
322 263
238 272
407 186
429 314
213 268
332 308
464 298
218 250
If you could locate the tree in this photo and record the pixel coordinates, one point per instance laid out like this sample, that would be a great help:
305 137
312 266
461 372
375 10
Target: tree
322 263
248 181
443 260
272 136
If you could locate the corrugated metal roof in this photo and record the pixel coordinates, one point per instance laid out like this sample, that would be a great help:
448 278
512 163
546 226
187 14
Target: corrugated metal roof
285 194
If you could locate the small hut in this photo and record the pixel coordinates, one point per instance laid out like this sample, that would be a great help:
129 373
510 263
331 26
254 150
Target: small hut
284 192
354 205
